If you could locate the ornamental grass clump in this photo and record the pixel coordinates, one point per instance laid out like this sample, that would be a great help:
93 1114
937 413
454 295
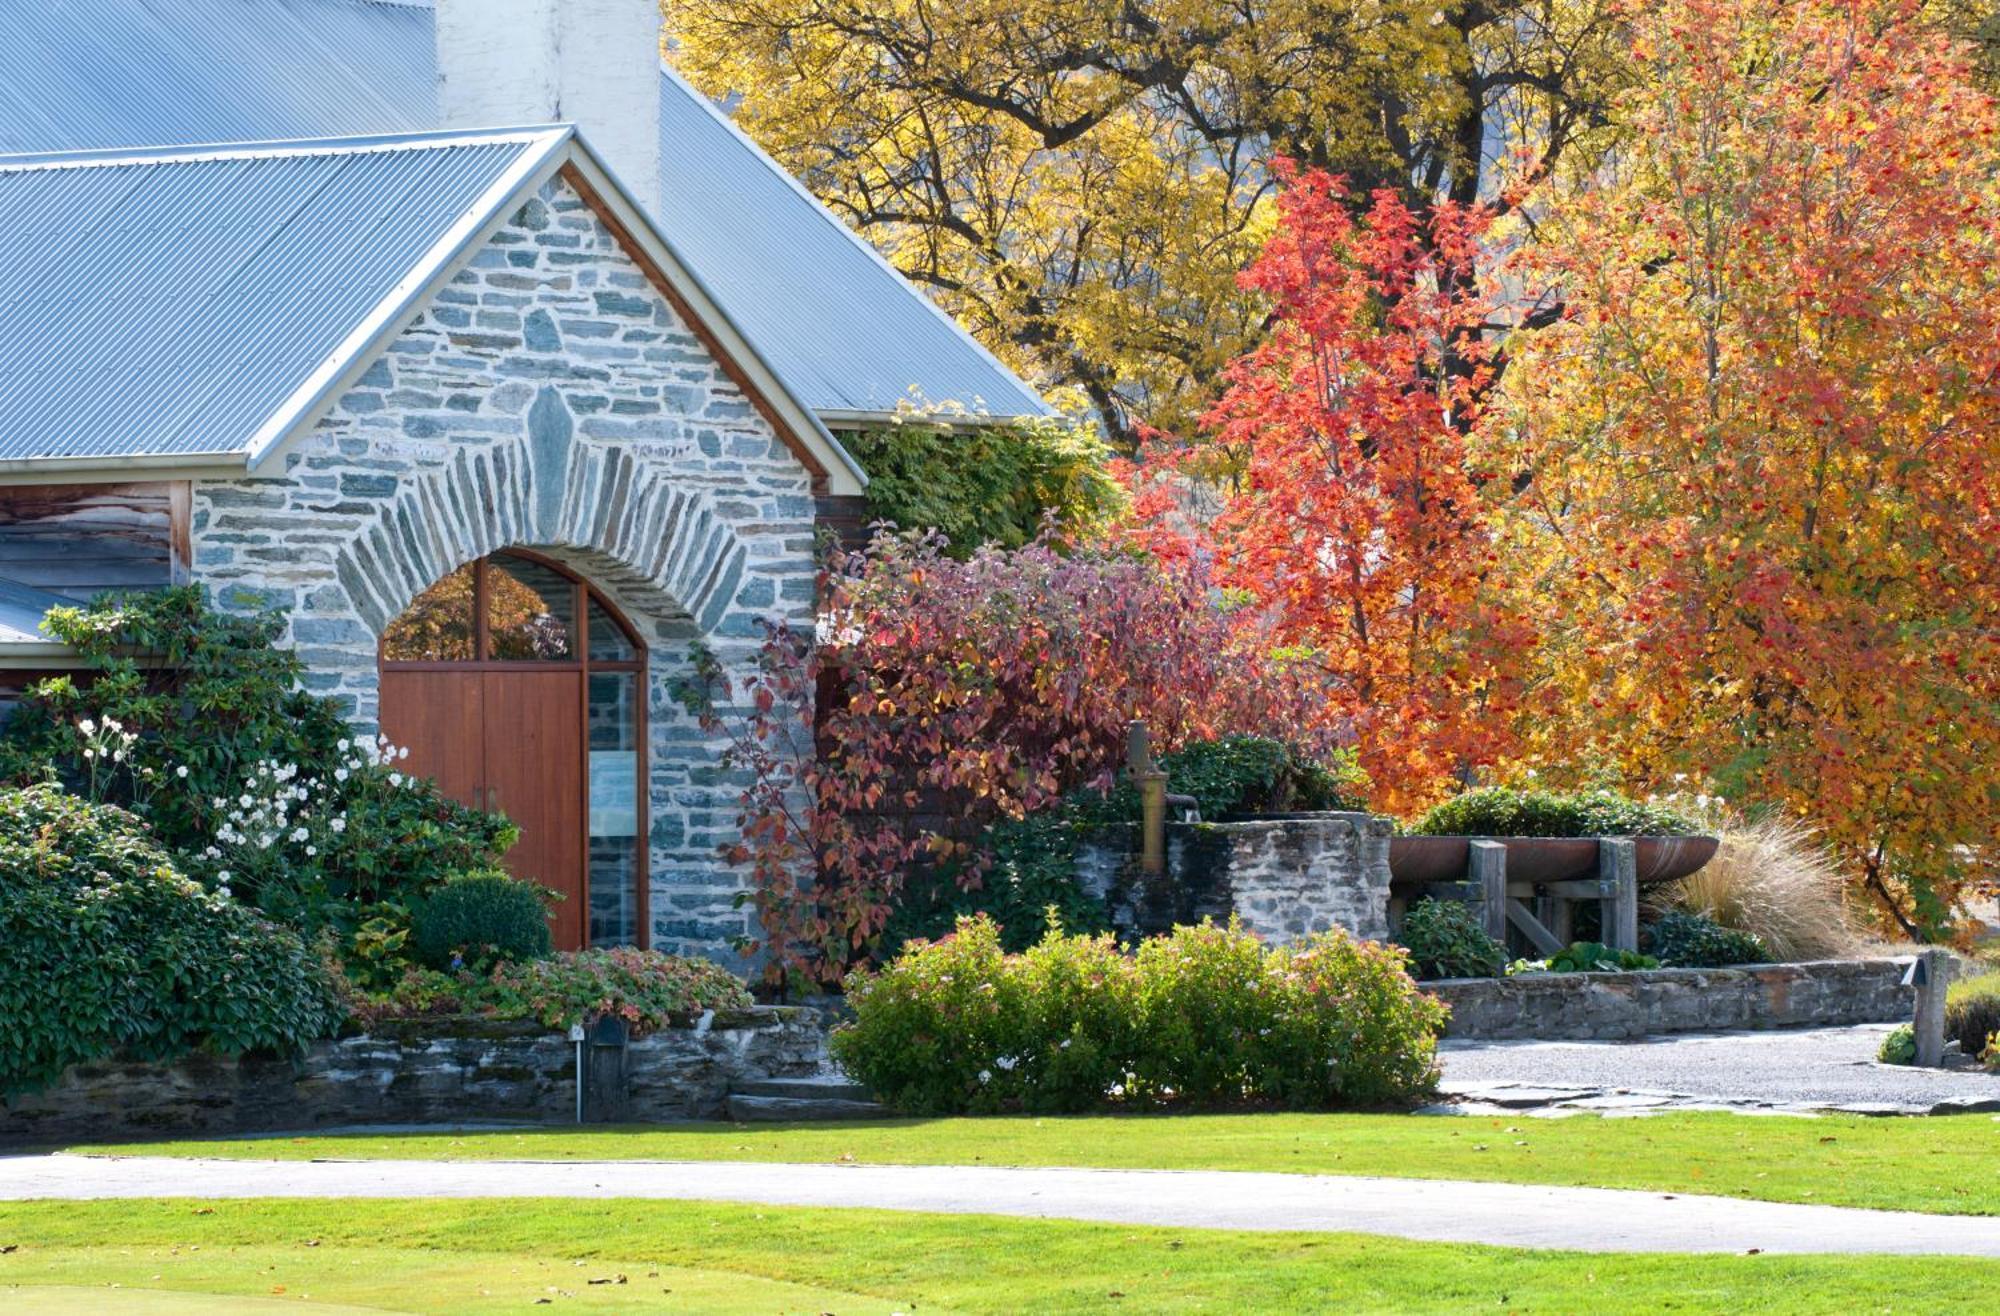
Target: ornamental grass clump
107 949
1773 878
1207 1017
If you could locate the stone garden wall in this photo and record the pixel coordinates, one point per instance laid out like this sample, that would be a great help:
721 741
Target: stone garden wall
1284 878
1617 1006
480 1071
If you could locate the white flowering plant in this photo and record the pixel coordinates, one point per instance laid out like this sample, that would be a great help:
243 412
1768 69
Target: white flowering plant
197 721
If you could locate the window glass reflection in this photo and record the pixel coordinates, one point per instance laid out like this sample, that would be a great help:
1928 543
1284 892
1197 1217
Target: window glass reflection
613 717
530 610
437 626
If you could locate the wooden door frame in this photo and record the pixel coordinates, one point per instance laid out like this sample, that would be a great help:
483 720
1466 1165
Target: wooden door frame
582 594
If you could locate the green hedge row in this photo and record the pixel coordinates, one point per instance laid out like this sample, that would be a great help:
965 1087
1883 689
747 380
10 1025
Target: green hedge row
1206 1017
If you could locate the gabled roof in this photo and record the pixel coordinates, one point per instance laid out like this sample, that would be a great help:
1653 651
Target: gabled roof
201 306
852 337
174 303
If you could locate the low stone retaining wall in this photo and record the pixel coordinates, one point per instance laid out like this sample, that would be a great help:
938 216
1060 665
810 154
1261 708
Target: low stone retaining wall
1612 1006
1283 877
433 1072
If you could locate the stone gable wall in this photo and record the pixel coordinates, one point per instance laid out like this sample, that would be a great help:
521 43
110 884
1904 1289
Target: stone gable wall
550 398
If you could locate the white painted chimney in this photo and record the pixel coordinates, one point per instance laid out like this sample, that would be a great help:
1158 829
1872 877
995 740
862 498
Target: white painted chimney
593 63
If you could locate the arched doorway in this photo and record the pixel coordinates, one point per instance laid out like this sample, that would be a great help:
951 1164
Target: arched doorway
521 689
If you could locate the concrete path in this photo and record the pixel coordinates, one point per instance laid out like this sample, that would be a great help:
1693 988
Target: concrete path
1593 1219
1790 1070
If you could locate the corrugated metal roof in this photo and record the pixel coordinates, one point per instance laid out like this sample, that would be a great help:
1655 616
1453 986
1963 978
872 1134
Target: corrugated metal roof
847 333
78 75
184 301
845 328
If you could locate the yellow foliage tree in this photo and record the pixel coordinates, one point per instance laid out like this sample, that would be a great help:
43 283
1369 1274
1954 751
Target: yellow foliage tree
1759 506
1080 181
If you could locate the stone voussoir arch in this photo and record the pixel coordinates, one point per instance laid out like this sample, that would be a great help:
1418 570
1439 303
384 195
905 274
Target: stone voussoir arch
594 499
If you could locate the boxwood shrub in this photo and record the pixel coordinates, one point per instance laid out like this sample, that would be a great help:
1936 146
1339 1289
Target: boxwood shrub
477 919
1496 811
1207 1017
108 949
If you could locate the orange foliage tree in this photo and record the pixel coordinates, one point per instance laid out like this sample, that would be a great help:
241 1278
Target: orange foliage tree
1359 531
1758 456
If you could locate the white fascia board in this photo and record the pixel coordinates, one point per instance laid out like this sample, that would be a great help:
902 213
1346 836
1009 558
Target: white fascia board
414 292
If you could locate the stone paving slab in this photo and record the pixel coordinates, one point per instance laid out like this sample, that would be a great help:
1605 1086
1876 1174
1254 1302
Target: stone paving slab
1513 1215
1783 1071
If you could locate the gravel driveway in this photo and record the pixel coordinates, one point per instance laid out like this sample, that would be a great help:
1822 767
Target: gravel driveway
1813 1069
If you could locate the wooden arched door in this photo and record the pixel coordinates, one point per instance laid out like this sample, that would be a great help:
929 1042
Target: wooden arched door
521 690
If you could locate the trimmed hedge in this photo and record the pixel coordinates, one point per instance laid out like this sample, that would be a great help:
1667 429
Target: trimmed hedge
1495 811
108 950
1206 1017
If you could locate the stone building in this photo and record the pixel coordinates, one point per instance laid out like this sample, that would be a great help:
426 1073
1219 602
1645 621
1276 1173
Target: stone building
503 419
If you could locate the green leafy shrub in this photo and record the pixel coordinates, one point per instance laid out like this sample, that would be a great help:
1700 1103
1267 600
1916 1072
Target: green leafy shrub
1972 1012
1256 774
1496 811
1587 957
1695 941
109 950
1206 1017
991 484
255 785
1446 939
647 989
1899 1046
1028 884
478 918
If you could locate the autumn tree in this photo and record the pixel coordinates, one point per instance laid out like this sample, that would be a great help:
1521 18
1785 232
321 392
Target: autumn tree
1360 535
1758 459
1081 180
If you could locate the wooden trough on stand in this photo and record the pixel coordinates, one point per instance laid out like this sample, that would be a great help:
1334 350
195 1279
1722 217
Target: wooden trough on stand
1502 875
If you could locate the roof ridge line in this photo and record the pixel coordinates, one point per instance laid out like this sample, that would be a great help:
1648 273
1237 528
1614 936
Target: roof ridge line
281 148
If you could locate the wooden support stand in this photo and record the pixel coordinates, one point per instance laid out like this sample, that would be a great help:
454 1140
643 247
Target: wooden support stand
1618 878
1486 873
1549 922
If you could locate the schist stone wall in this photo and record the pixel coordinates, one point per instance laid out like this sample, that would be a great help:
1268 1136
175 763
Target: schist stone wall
1615 1006
434 1072
1284 878
549 398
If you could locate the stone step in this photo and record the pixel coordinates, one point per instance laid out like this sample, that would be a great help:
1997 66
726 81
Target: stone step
784 1110
837 1087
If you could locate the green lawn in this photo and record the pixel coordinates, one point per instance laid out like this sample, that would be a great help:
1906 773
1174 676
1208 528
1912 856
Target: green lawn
1941 1164
476 1256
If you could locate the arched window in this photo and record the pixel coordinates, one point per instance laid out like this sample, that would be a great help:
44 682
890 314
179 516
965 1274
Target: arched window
522 690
